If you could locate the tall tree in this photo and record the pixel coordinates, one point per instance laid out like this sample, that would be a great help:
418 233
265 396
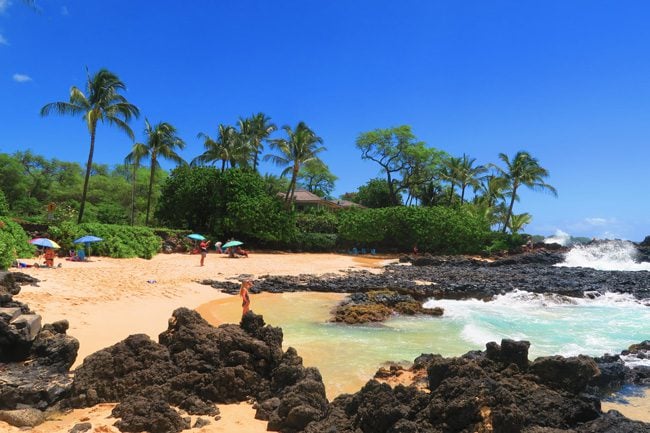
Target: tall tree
300 147
468 175
162 142
316 177
261 128
450 170
138 152
400 156
524 170
222 149
102 102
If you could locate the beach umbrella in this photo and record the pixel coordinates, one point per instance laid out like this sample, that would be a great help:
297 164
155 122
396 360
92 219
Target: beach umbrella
232 244
196 237
87 239
44 242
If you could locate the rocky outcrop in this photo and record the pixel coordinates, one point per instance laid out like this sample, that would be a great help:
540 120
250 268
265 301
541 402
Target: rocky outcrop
497 390
195 365
377 306
36 358
457 277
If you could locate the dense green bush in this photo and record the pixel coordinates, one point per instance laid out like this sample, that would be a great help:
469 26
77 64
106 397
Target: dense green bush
314 242
438 229
317 221
498 242
4 205
14 242
120 241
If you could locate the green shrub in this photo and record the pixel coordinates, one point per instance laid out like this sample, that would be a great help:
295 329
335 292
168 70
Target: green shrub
14 243
437 229
4 205
314 242
120 241
317 222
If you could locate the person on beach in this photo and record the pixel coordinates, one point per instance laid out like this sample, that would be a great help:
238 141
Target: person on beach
49 257
243 292
204 250
217 247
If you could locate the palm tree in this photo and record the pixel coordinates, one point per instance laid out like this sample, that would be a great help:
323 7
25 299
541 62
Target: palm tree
449 172
101 103
468 175
261 128
524 170
138 152
300 146
222 149
161 142
517 222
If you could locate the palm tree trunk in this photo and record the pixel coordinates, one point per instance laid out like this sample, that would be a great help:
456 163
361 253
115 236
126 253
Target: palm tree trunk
153 169
512 203
135 167
451 193
391 188
223 165
462 194
89 166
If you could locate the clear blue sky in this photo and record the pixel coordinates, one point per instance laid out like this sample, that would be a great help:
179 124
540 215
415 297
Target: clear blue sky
568 81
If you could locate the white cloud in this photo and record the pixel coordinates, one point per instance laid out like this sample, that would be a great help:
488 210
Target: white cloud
4 4
21 78
64 10
3 41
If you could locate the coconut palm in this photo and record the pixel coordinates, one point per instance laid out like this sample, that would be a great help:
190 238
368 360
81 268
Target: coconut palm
517 222
138 152
161 143
300 146
222 149
101 103
449 172
261 128
524 170
468 175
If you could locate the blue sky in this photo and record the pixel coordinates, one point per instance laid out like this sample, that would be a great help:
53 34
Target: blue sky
568 81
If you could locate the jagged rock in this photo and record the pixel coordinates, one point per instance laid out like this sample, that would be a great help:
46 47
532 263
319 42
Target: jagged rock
201 422
379 305
28 417
570 374
81 427
510 351
152 414
613 422
124 369
32 385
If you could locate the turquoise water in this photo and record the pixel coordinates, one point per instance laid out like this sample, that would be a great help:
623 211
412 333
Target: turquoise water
348 356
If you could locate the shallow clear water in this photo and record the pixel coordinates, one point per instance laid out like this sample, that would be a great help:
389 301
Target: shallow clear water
348 356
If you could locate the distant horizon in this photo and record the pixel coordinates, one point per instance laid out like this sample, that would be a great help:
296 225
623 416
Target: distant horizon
565 81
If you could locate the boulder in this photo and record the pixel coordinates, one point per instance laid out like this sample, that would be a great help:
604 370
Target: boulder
151 414
28 417
570 374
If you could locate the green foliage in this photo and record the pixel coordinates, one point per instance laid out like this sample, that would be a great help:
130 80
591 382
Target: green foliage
233 203
435 229
120 241
499 242
4 206
376 194
315 242
14 242
317 221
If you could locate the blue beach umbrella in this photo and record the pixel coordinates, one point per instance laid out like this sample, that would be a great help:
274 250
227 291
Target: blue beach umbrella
44 242
196 237
87 239
232 244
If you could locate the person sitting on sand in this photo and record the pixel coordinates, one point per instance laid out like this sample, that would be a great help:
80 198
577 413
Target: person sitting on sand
242 252
243 292
49 257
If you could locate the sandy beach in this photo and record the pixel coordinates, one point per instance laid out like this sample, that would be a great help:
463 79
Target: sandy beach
105 300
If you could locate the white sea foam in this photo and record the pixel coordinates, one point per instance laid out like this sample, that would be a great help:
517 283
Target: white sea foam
560 237
634 361
612 255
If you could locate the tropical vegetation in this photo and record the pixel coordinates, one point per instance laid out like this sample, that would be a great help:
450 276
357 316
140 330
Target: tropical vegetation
422 195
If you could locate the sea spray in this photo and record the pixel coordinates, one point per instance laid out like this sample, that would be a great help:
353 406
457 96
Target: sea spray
610 255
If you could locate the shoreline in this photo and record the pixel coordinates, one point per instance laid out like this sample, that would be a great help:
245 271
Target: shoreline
117 292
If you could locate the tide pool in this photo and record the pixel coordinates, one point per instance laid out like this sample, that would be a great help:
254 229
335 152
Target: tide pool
348 356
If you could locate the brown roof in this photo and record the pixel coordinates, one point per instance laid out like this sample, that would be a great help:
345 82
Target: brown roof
302 196
346 203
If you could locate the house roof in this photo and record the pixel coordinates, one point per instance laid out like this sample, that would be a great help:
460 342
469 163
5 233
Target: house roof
302 196
345 203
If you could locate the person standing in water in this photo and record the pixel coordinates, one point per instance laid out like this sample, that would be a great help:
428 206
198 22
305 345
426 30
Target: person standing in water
243 292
